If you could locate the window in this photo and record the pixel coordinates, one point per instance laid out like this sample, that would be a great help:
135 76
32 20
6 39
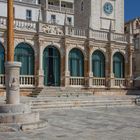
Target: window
69 20
53 18
63 5
82 6
51 3
28 15
136 43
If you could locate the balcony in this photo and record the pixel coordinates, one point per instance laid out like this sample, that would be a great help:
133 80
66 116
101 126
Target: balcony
60 9
27 1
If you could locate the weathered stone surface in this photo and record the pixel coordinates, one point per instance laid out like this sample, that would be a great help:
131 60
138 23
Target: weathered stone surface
19 118
121 123
9 108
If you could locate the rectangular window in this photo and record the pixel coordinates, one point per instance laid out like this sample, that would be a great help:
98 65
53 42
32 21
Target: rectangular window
53 19
28 15
69 20
136 43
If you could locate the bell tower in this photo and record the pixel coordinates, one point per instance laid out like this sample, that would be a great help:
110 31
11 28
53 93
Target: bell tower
99 14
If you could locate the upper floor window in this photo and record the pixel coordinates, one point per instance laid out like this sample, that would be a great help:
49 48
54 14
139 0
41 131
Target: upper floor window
51 3
137 43
82 6
53 18
28 15
63 5
69 20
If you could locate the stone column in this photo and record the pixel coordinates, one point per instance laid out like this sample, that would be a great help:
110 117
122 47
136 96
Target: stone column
40 70
111 80
67 73
90 74
12 68
129 68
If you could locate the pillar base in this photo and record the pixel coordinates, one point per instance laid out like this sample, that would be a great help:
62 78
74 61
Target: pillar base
12 82
19 117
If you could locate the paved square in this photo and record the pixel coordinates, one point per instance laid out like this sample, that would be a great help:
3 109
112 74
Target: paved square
119 123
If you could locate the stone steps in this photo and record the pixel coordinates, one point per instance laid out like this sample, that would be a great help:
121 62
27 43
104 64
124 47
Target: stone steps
42 103
60 92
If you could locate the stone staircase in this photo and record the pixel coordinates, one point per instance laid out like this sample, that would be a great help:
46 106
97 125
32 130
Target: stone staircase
60 97
39 104
60 92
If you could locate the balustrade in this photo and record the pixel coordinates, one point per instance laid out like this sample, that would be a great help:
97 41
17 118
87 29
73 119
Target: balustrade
27 80
2 80
99 35
75 32
77 81
99 82
119 37
120 82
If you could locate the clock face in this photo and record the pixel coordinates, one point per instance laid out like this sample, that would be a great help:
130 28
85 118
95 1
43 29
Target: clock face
108 8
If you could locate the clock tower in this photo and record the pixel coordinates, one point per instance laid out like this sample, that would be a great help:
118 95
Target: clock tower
100 14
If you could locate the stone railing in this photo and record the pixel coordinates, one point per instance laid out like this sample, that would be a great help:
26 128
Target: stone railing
75 32
120 82
30 26
98 35
119 37
27 80
25 25
22 25
2 80
28 1
99 82
60 9
67 10
77 81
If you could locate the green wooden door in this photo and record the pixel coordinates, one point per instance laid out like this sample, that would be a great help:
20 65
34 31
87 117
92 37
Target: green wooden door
1 59
51 65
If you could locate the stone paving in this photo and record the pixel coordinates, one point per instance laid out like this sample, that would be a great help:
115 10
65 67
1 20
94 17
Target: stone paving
119 123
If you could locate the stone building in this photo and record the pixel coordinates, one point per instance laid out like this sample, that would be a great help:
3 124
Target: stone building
67 43
133 27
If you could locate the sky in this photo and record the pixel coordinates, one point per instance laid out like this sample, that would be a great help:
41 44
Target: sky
132 9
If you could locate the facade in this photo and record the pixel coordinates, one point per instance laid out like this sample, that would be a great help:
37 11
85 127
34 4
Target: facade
68 43
133 27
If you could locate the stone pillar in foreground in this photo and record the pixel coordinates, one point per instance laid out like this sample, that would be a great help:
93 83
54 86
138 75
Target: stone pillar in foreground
12 82
12 68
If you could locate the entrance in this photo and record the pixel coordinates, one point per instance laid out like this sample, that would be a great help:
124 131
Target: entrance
51 64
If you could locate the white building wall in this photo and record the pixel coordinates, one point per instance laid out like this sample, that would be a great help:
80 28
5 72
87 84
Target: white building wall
60 17
20 11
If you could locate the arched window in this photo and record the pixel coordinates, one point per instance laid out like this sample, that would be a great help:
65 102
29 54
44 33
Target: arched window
98 64
1 59
51 65
118 65
76 63
25 54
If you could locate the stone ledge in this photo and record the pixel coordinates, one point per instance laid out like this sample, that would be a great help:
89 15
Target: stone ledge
19 108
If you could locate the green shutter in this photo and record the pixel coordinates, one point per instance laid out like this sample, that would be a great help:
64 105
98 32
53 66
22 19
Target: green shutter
1 59
76 63
118 65
25 54
98 64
